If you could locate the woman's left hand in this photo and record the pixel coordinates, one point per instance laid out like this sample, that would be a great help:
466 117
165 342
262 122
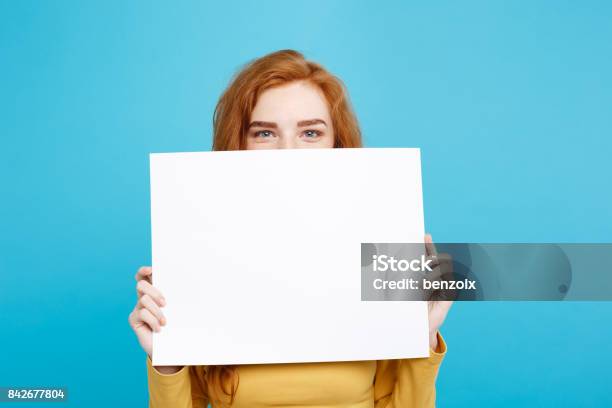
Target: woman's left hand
438 309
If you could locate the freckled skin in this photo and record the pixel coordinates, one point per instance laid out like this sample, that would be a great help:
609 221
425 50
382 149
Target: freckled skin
285 106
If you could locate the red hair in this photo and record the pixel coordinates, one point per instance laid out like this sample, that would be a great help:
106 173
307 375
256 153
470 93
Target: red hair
230 125
233 111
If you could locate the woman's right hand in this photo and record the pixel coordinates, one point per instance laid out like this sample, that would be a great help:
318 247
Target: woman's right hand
147 315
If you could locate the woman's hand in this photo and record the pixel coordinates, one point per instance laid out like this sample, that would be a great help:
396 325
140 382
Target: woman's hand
147 315
438 309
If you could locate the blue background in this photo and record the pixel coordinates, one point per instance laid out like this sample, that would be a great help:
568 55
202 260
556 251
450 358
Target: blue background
510 102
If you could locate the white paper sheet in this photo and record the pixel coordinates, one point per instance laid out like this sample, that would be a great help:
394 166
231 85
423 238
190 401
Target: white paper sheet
258 254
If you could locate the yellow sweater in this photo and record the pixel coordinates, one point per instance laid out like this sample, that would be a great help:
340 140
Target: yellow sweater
350 384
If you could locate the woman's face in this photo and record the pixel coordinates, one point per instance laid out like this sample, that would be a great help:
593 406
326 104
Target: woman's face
290 116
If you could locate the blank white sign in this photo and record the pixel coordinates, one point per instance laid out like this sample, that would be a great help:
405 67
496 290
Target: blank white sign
258 255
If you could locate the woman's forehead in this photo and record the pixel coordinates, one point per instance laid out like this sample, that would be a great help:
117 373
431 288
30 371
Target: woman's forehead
295 101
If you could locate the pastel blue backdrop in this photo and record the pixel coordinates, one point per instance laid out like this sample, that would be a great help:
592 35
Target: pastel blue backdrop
509 101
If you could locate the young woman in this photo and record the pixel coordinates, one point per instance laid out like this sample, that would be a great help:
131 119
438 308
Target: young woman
282 101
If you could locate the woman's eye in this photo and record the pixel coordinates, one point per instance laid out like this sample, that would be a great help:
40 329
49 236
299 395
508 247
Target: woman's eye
312 133
264 133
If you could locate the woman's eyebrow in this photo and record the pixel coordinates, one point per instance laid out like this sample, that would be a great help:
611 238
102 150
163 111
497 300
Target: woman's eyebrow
311 122
261 124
